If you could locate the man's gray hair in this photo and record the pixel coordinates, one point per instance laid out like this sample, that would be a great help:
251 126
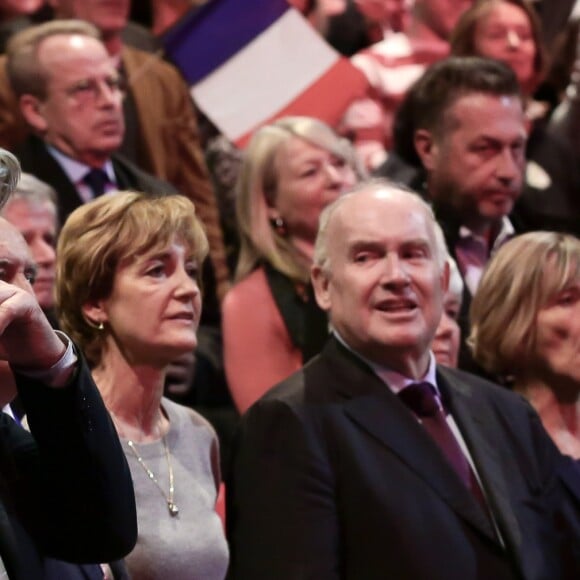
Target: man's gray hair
9 175
321 245
32 189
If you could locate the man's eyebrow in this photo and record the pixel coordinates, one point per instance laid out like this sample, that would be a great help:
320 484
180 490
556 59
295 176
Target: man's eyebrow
417 242
364 244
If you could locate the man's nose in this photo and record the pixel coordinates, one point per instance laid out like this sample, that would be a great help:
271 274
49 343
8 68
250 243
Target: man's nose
509 167
43 253
109 94
394 270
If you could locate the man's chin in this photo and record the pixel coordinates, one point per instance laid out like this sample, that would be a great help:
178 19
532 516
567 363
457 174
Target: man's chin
496 211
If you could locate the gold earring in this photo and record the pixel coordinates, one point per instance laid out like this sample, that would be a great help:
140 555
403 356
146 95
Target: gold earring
96 325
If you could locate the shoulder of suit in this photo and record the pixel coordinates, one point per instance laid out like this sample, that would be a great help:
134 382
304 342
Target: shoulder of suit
144 181
477 386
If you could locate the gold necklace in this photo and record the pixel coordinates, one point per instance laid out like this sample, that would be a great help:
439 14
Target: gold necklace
171 506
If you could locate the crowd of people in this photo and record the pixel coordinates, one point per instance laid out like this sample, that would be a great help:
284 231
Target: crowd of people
338 352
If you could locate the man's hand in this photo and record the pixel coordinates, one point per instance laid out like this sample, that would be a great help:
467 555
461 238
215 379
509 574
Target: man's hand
26 338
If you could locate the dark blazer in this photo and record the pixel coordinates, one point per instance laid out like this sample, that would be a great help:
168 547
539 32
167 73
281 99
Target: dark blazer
35 158
333 477
65 488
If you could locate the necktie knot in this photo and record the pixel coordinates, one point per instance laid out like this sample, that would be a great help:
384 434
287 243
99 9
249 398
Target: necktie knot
96 180
421 399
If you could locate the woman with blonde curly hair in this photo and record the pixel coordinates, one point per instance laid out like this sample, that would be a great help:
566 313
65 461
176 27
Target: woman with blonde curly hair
128 295
292 169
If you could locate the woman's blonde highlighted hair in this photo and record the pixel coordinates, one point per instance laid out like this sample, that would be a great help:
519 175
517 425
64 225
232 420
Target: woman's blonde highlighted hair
98 236
525 274
257 189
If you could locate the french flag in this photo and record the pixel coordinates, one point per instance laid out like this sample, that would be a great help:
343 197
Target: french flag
250 62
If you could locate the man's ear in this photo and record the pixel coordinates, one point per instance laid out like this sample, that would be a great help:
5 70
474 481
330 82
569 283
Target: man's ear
426 148
445 277
320 282
33 112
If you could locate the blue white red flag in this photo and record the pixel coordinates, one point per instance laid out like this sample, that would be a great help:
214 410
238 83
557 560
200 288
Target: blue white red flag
251 61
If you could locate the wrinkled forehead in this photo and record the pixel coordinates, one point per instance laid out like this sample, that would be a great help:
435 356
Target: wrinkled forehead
481 112
385 221
380 212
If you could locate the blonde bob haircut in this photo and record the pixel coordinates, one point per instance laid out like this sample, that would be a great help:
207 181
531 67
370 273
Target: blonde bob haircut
522 278
257 189
100 236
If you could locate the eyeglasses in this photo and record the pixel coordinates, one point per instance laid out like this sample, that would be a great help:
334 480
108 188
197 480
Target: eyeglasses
89 90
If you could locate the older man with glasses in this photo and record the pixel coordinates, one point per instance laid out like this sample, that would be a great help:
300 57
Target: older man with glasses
70 94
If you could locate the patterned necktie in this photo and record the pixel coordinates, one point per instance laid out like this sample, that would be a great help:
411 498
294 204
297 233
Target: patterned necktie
97 181
421 398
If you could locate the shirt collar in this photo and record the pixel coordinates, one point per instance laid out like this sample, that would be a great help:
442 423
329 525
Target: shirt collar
394 380
75 170
506 231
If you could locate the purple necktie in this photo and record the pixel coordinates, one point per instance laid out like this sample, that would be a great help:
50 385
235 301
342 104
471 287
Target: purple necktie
97 181
422 400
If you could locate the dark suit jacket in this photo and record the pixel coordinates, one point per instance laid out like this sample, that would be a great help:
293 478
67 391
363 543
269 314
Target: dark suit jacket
35 158
334 478
65 488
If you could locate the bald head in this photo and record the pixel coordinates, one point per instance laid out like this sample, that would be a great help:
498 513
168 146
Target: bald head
370 194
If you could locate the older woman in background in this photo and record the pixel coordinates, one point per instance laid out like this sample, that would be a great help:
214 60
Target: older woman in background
525 321
271 324
127 292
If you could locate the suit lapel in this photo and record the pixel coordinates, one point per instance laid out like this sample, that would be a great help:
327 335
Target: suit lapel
123 177
474 422
375 409
37 160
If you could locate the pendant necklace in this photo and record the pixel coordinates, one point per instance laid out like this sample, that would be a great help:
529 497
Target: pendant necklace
173 509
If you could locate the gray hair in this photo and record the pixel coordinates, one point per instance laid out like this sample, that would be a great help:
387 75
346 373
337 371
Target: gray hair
25 73
32 189
9 175
455 280
373 185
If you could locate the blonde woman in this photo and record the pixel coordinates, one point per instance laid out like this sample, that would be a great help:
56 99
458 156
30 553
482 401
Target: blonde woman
293 168
127 292
525 320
